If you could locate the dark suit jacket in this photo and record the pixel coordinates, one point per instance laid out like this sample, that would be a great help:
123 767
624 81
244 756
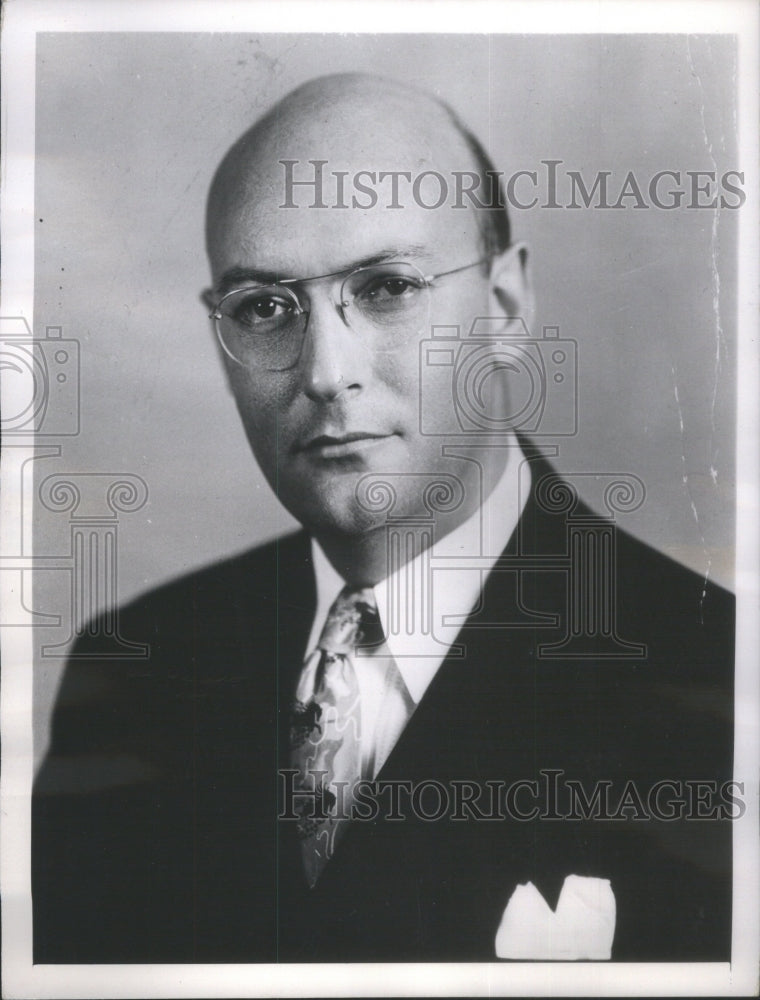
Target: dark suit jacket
155 829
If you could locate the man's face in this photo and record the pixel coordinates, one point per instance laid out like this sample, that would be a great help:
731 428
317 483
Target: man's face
348 407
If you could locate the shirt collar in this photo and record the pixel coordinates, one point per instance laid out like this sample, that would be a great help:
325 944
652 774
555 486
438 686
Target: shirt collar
437 571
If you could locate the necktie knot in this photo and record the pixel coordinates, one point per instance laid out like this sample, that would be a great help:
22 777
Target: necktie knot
351 621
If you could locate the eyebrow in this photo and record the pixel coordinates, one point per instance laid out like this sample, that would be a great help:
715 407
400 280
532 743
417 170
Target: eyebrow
235 277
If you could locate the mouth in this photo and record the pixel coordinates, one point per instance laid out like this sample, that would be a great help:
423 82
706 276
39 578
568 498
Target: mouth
328 446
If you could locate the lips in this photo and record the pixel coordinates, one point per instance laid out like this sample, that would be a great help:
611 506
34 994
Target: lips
344 444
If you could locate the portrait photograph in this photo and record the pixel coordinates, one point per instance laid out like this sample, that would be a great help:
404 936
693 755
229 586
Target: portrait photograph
379 499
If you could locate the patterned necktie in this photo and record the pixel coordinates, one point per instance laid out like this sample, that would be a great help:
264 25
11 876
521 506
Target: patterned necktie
325 734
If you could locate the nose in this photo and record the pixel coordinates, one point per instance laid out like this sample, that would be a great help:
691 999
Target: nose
334 361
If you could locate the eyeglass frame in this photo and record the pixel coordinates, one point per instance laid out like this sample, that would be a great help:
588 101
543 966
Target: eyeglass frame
215 315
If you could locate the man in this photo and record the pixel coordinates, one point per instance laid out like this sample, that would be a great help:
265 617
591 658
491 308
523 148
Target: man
455 718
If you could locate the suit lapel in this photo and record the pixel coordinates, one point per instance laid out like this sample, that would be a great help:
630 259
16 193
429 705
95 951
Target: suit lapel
479 707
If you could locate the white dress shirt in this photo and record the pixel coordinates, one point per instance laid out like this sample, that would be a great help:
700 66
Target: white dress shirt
393 678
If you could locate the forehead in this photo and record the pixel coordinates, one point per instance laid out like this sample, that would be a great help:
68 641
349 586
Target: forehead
260 216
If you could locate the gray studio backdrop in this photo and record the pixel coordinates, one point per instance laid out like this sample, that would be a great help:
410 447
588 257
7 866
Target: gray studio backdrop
129 130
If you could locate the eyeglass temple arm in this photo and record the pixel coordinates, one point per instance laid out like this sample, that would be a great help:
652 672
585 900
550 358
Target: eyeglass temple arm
464 267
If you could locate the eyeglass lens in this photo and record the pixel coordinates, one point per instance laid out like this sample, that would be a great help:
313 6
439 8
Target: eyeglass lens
264 326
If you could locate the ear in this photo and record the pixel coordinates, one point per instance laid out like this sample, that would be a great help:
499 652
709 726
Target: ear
512 289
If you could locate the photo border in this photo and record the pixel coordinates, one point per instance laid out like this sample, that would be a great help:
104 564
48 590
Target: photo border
21 23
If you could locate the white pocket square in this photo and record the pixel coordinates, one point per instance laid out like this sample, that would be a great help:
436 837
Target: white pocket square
582 927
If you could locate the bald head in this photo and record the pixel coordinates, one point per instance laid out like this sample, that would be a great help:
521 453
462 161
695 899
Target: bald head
355 124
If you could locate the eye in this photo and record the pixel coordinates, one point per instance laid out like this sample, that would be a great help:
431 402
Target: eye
389 287
262 307
393 287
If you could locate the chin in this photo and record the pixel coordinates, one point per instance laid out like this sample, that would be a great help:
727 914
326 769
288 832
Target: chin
333 514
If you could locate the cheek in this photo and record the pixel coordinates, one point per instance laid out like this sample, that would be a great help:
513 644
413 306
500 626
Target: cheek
399 372
261 406
254 404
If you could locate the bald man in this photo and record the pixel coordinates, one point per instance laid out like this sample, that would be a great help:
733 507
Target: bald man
386 737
